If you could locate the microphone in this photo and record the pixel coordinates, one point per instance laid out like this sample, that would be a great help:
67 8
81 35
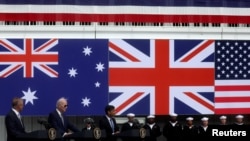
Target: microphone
137 123
42 121
45 123
89 121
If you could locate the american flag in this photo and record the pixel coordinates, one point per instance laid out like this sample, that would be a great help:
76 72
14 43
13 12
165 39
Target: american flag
154 11
42 70
161 76
232 77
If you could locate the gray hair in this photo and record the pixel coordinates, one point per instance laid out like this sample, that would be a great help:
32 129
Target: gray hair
59 101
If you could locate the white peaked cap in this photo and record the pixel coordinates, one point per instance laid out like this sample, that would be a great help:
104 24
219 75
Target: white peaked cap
204 119
130 115
223 117
173 115
189 118
150 116
239 116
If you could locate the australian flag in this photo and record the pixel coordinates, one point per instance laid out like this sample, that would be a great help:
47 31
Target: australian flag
40 71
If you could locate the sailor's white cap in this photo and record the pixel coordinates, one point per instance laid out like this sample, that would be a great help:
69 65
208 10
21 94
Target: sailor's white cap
223 117
189 118
150 116
130 115
173 115
204 119
239 116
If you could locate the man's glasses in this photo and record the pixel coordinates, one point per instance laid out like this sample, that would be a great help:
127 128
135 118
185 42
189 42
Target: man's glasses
65 106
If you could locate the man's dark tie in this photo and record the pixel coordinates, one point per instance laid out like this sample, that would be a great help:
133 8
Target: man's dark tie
61 116
112 125
20 119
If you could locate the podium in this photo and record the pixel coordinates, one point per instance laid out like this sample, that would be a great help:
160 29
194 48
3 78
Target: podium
135 134
40 135
87 135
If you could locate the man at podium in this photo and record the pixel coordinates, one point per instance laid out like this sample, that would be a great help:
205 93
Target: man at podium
108 123
58 120
13 122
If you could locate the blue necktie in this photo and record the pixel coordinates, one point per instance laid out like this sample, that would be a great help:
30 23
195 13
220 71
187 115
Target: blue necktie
112 125
19 117
61 116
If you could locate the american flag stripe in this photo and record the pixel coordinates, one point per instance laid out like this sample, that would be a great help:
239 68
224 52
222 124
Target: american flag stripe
235 110
120 13
232 96
232 99
233 105
232 88
143 10
123 18
232 82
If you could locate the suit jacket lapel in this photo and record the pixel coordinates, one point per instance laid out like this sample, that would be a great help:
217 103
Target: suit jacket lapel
20 121
108 123
58 116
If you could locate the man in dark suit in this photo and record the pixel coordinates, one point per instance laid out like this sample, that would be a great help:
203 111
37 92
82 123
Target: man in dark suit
108 123
59 121
13 122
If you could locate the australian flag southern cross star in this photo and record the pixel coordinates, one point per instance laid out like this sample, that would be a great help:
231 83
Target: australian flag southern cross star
42 70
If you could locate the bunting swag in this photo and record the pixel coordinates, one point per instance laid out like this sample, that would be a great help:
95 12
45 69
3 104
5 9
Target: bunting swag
174 11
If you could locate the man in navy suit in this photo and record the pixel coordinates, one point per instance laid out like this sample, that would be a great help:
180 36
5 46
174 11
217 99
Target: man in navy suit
13 122
59 121
108 123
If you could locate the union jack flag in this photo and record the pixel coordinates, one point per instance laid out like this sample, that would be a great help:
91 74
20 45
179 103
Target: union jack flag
140 67
28 57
